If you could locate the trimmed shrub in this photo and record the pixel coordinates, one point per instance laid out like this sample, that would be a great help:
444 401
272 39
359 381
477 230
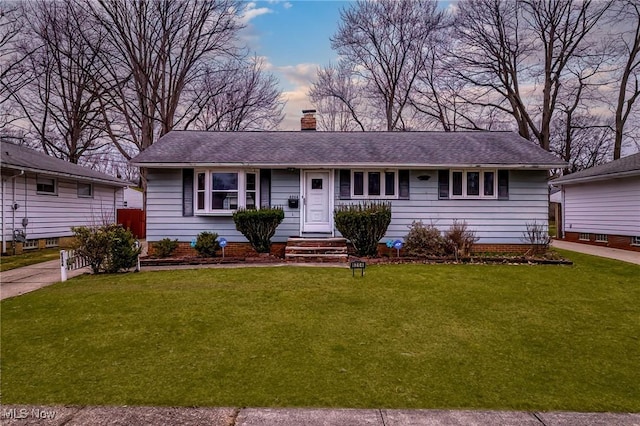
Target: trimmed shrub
424 240
460 239
363 224
258 226
207 244
108 248
165 247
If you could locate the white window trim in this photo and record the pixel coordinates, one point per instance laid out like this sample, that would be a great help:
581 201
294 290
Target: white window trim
78 189
635 240
481 189
583 234
242 191
55 186
601 238
365 184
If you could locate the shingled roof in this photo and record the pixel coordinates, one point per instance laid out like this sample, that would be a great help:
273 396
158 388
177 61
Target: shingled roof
623 167
20 158
346 149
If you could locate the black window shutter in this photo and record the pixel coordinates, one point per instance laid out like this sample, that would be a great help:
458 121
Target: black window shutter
443 184
187 192
345 184
265 188
503 184
403 181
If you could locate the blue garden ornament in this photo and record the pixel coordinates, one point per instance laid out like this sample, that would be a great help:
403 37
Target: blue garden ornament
223 244
193 243
390 243
397 244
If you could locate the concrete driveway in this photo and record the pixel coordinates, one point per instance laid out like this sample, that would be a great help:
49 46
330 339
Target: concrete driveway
15 282
611 253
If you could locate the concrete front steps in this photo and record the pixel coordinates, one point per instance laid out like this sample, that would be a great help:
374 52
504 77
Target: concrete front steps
316 250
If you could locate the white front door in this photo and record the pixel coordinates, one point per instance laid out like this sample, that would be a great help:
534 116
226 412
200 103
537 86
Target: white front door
317 190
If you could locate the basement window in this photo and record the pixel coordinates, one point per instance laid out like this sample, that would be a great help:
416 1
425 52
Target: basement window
30 245
51 242
584 237
602 238
635 241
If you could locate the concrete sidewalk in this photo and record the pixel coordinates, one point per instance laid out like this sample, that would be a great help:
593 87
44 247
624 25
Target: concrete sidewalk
611 253
189 416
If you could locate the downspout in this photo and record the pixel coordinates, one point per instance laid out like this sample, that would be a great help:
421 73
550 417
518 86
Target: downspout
14 207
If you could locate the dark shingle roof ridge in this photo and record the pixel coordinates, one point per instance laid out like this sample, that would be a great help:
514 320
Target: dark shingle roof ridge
630 163
21 157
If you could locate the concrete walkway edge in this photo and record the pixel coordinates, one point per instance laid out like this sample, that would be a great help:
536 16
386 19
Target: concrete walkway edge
224 416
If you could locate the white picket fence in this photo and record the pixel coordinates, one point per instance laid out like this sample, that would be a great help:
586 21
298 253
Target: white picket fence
70 261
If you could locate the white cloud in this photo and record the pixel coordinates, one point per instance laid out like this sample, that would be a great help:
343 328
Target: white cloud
287 5
251 11
300 74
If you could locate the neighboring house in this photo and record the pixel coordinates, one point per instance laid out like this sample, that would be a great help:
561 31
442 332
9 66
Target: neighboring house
133 198
43 197
495 181
601 205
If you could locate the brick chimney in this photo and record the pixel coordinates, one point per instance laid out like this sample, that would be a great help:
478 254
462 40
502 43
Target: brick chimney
308 120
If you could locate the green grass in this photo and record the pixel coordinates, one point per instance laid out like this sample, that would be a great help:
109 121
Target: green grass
414 336
28 258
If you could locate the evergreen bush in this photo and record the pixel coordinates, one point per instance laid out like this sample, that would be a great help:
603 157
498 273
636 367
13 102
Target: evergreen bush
363 224
165 247
108 248
259 226
207 244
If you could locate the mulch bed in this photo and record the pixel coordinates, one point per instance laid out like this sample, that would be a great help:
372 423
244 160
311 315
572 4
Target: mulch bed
503 260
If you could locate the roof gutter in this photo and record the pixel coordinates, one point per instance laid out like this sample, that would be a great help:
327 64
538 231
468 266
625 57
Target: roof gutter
66 175
542 166
569 180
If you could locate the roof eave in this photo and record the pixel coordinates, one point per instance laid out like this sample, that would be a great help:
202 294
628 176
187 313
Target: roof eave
175 165
66 175
595 178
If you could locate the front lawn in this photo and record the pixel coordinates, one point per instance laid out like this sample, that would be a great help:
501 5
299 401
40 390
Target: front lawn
415 336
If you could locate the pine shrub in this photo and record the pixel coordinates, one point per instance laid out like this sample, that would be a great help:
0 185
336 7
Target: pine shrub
165 247
207 244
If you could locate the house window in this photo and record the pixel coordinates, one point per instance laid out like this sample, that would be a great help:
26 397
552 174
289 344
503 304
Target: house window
46 185
602 238
635 240
584 237
51 242
30 245
85 190
473 184
375 184
224 191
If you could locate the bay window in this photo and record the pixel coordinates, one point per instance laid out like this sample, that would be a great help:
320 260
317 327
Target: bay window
224 191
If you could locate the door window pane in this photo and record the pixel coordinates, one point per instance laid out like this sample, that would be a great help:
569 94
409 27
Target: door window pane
473 183
316 183
488 184
374 183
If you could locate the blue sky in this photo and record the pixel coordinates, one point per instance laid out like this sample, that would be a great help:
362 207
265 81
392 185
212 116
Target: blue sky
293 37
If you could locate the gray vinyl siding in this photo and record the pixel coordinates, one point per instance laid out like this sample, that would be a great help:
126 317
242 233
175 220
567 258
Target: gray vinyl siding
53 216
495 221
164 209
606 207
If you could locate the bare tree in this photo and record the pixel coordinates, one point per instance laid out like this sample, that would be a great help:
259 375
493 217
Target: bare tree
336 93
561 27
156 51
385 43
12 77
629 80
238 96
499 52
61 102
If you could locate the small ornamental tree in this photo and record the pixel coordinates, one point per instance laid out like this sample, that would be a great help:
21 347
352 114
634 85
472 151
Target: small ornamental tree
363 224
259 226
460 238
